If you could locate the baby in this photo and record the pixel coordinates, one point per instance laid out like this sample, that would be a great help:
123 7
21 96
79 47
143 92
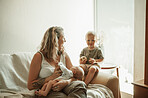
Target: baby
74 72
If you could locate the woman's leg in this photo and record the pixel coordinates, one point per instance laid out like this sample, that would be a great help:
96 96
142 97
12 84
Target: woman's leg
90 75
53 94
76 89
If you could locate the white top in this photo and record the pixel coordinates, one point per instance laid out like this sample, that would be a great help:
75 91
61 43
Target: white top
46 68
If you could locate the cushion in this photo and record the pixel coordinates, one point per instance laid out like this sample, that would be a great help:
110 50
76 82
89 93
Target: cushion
14 70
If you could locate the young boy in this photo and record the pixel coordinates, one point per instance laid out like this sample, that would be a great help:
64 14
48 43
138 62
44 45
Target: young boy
89 57
74 72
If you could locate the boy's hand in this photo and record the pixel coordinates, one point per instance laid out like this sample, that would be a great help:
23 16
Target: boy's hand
83 60
92 60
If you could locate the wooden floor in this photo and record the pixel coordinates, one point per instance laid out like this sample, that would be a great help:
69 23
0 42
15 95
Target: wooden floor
125 95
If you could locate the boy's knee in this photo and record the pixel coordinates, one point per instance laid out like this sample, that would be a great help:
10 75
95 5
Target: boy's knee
82 66
92 69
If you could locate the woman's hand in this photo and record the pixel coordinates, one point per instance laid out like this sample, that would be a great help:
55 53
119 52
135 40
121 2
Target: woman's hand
57 72
60 85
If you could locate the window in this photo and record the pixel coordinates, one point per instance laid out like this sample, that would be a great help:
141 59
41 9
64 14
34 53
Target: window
115 28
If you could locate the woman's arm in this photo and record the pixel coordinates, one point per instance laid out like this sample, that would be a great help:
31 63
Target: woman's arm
62 83
68 61
34 72
33 81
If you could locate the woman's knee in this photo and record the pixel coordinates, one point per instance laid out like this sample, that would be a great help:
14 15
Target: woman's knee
77 89
74 86
79 84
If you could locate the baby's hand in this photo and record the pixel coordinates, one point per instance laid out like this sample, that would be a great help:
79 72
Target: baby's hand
92 60
83 60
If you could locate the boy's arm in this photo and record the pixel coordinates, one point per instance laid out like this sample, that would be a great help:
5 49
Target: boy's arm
82 53
100 56
99 60
92 60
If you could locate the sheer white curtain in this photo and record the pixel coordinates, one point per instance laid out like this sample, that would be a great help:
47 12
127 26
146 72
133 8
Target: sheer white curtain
115 24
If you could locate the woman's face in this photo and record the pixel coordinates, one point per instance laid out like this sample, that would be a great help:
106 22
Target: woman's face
61 40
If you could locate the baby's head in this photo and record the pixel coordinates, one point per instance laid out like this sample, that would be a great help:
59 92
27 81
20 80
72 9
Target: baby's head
90 39
78 72
83 58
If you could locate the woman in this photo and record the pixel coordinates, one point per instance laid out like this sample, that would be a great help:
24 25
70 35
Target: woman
42 68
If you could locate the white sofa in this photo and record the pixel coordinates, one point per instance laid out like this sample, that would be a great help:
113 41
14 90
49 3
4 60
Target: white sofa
14 70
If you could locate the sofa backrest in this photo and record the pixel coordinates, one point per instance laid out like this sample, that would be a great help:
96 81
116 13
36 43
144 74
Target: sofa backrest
14 70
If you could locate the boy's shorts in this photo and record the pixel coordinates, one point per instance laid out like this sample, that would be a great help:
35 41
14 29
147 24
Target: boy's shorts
87 66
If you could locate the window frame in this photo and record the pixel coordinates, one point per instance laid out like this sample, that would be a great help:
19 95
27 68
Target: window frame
146 46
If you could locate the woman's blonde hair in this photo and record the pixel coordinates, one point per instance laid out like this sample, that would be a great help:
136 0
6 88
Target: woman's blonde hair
49 44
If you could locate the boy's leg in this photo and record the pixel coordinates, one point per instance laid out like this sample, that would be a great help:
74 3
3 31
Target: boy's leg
83 66
90 75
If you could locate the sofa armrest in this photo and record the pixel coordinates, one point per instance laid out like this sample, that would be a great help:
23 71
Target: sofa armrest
111 81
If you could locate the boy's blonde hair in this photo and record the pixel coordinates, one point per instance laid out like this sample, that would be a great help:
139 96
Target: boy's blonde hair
49 43
91 33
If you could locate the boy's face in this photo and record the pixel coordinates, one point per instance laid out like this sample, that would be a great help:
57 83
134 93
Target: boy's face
90 40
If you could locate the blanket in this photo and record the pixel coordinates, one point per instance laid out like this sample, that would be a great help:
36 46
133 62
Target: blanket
93 91
98 91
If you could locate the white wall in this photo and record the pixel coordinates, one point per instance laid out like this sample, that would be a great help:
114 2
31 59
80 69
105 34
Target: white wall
23 23
139 39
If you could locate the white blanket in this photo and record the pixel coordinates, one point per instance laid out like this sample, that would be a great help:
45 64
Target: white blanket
98 91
